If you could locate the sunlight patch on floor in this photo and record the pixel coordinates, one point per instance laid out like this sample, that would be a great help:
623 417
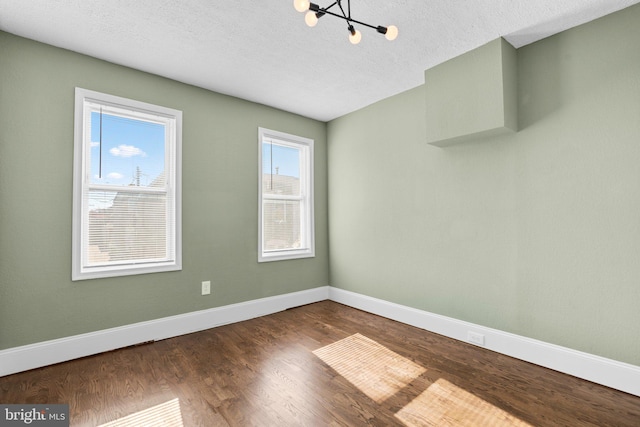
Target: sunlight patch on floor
166 414
445 404
377 371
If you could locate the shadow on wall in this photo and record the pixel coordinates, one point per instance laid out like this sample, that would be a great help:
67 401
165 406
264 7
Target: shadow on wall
542 69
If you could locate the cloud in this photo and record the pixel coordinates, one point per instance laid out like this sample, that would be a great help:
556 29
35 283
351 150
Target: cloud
94 144
115 175
127 151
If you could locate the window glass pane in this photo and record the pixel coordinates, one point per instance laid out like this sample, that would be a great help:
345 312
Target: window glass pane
126 151
280 169
281 227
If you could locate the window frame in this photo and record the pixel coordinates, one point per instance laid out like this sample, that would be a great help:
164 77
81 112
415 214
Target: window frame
306 196
173 169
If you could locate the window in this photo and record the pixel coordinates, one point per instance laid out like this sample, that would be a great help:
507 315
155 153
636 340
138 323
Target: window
286 228
126 194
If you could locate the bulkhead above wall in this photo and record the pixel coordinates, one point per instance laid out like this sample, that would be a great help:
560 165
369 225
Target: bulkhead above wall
473 95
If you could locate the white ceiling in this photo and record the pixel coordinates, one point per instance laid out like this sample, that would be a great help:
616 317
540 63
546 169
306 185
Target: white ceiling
262 51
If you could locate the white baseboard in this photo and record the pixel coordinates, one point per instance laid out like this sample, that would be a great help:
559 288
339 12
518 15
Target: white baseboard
600 370
611 373
45 353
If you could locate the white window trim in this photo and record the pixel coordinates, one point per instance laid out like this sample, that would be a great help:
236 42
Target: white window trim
79 272
307 193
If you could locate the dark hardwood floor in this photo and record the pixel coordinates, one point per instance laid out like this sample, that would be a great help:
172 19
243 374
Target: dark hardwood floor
323 364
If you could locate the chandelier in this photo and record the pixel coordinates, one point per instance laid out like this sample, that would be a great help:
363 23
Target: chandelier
315 12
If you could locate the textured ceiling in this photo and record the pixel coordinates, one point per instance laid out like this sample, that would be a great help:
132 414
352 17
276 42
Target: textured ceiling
262 50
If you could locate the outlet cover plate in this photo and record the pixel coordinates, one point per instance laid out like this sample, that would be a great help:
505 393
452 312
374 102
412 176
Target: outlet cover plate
206 287
475 338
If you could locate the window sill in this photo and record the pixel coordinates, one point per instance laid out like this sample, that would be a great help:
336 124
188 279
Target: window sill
124 270
286 255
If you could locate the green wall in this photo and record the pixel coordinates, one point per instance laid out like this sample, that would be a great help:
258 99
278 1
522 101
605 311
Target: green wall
535 233
38 300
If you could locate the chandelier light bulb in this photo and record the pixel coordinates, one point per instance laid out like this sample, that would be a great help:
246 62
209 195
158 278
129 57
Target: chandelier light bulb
355 37
311 19
301 5
392 32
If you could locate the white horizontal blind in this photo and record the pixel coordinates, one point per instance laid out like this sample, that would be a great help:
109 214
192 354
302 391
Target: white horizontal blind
282 225
133 229
128 202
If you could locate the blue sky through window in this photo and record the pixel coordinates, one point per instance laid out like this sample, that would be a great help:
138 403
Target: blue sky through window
285 159
128 146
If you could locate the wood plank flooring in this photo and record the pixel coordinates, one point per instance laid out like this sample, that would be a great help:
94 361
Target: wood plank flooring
323 364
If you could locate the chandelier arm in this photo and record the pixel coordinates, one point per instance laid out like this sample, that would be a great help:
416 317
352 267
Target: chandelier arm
344 15
322 10
365 24
346 19
332 4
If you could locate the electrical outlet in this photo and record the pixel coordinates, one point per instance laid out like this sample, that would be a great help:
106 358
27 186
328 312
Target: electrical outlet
206 287
475 338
